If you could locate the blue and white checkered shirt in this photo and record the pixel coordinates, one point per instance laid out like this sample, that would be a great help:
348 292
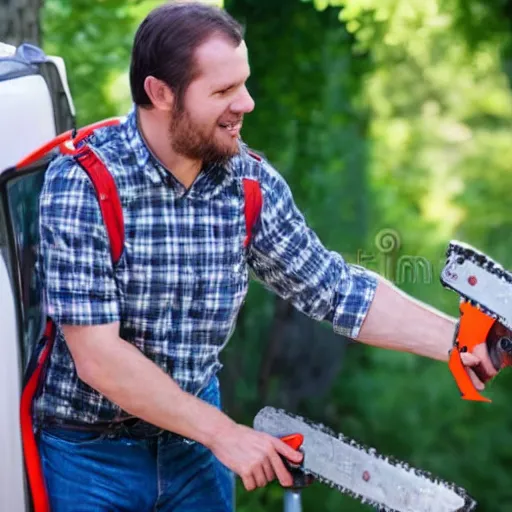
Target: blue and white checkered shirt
184 272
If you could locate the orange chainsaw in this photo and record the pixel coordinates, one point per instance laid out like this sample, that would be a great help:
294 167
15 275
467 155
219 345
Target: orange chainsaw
485 290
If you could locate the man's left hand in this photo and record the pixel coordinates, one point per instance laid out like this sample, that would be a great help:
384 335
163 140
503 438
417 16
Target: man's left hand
479 364
489 357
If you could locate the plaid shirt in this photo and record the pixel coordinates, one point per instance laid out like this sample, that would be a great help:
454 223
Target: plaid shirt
184 272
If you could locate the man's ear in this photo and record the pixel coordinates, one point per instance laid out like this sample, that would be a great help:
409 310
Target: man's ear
159 93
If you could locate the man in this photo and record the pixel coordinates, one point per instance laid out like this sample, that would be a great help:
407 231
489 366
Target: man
129 415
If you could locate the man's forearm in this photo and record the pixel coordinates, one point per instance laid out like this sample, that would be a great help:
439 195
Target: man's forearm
123 374
397 321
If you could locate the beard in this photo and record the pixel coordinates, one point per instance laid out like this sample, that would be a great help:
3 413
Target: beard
194 141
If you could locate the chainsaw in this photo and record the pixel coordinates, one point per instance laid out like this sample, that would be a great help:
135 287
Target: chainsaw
358 471
485 290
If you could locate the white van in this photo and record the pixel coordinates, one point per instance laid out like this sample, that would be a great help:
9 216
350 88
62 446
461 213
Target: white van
35 106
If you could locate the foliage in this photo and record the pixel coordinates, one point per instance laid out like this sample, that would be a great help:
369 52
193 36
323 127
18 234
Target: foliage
94 39
440 121
387 117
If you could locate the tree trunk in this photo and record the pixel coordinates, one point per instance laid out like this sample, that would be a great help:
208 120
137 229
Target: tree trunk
20 21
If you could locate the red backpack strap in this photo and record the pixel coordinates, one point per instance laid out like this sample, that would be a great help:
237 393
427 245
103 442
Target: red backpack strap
108 198
31 456
253 204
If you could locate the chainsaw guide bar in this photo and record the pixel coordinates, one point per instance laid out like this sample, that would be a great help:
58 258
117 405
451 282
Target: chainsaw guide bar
362 473
480 280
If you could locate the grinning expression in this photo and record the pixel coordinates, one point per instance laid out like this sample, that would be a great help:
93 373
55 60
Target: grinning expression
206 126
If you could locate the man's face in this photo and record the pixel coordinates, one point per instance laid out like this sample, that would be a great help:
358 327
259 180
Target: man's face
208 126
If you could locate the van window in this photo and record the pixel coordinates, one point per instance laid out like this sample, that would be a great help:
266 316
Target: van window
64 118
20 195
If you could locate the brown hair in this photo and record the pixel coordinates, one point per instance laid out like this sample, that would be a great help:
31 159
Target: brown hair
166 41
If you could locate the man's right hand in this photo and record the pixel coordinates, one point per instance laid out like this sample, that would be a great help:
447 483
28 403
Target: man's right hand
254 456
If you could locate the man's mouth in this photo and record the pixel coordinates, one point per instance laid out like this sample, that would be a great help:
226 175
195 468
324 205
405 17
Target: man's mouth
232 128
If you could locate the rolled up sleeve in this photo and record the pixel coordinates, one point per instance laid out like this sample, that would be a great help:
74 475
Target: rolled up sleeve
74 255
288 257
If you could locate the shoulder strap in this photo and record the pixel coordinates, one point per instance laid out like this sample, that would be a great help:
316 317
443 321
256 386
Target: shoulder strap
31 457
108 198
253 204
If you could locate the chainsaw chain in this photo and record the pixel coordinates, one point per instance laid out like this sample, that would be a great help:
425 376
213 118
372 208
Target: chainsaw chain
469 502
465 252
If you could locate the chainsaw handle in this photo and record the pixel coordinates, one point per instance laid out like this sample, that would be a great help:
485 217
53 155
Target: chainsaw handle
294 441
473 329
300 480
462 379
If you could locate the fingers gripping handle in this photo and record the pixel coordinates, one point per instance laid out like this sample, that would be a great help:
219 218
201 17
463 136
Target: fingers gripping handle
300 480
466 387
473 329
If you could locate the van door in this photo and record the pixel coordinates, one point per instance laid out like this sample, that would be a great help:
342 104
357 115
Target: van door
22 320
12 479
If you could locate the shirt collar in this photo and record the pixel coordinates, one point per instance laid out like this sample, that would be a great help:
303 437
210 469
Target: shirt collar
210 178
145 159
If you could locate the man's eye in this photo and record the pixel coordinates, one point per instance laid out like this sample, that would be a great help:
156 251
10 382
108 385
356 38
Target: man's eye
224 91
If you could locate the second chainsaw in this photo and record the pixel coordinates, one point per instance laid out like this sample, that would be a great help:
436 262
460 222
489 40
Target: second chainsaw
485 290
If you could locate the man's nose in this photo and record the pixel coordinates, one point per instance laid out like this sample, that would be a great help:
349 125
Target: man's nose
243 103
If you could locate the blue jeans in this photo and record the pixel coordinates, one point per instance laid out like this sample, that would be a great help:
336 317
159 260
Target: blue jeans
89 471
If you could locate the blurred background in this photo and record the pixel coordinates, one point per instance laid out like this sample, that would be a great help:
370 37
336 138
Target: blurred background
392 122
